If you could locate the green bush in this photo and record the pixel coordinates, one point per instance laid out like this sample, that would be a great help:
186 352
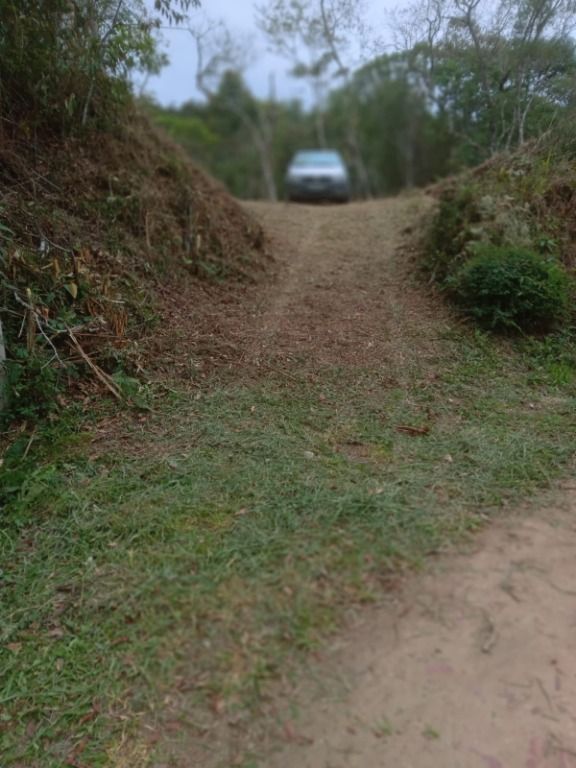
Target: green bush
508 288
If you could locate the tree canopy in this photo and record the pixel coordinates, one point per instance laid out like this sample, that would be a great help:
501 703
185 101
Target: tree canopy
65 64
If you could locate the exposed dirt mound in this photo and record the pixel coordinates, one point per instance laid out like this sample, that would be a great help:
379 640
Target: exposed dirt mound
102 237
134 191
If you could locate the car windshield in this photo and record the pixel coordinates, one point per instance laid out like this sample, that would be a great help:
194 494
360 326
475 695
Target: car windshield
315 158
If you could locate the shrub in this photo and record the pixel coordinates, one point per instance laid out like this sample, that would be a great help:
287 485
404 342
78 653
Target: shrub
508 288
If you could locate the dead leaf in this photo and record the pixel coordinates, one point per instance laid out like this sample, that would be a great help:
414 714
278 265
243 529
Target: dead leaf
14 647
89 716
75 752
120 640
72 289
290 734
218 705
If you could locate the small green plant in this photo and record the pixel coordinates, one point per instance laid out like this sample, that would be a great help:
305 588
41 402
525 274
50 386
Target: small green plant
553 358
33 385
383 729
133 390
508 288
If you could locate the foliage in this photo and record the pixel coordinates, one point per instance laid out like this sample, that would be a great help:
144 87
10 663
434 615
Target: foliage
33 384
450 230
500 70
507 288
502 238
216 137
64 65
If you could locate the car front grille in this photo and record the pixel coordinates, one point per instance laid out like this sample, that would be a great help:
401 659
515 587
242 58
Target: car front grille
314 181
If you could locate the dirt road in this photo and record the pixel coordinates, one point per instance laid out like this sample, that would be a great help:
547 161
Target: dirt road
473 663
345 297
472 666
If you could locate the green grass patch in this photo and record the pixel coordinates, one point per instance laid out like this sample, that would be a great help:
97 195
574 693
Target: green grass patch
260 511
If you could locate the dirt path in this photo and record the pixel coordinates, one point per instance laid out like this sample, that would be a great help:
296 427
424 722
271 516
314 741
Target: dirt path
345 298
472 666
473 663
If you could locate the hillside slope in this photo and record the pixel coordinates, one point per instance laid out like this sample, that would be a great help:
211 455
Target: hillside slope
501 244
93 233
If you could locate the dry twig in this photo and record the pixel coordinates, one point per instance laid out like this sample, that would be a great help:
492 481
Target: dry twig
99 373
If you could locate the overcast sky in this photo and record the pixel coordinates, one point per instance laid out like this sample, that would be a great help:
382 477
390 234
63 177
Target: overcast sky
176 82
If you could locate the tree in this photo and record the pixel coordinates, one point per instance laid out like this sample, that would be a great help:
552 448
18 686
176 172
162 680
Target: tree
494 63
406 144
219 59
64 63
472 78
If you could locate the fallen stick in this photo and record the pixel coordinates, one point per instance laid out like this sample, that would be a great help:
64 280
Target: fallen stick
412 430
103 377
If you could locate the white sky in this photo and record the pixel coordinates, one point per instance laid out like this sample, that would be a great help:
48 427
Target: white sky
176 82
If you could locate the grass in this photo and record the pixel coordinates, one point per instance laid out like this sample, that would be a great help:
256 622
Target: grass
259 511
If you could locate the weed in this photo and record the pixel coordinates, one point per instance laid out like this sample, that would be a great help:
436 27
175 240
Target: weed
383 728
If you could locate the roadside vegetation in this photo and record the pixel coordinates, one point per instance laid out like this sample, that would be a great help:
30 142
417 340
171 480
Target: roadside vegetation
501 243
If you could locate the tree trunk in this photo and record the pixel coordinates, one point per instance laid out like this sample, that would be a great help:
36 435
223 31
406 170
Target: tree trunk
353 141
267 172
261 139
320 127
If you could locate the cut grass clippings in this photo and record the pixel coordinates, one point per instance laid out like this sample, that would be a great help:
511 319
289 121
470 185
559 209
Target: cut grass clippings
260 510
